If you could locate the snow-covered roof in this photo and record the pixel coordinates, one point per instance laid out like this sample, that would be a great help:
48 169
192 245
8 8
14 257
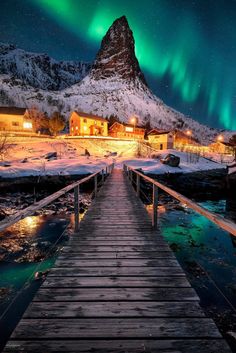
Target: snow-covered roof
12 110
90 116
128 125
157 132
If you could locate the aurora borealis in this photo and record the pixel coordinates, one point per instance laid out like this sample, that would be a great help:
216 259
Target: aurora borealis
187 49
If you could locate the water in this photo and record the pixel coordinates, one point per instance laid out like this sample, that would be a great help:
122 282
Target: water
36 236
207 254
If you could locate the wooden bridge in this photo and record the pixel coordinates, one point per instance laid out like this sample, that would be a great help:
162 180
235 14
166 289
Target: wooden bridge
116 287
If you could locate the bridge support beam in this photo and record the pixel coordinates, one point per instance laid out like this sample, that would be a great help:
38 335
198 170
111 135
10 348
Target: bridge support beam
155 205
76 208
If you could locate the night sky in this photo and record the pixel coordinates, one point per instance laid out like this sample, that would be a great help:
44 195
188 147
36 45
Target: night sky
186 49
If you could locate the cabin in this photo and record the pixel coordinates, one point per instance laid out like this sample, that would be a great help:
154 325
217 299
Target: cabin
221 147
161 140
126 131
83 124
15 119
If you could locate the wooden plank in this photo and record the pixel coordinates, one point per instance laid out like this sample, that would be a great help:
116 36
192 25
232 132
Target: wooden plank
145 243
94 248
119 346
67 254
116 327
77 262
115 281
116 294
116 271
113 309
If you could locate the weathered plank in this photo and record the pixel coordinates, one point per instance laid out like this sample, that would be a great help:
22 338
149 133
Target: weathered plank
119 346
115 255
115 294
72 328
100 262
116 271
113 309
115 281
117 248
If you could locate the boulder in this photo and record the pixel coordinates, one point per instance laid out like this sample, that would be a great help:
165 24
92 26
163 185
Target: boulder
171 160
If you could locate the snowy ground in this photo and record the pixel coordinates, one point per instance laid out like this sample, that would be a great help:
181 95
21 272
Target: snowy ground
188 164
27 158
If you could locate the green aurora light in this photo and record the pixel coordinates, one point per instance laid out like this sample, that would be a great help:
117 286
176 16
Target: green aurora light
170 42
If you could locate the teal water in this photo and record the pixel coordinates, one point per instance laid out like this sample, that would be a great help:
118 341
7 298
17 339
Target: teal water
208 256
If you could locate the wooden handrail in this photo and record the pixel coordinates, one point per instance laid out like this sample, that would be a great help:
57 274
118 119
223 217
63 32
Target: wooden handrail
28 211
223 223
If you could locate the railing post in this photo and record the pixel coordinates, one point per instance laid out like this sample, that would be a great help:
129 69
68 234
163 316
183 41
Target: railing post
138 184
155 205
76 208
95 185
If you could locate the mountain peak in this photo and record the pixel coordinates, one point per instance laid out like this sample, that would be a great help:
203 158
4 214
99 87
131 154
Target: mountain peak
116 56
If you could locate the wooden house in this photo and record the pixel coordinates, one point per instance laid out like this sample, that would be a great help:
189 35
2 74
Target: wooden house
15 119
161 140
83 124
126 131
221 147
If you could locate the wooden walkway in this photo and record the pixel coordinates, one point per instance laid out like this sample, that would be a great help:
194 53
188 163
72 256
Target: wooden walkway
116 287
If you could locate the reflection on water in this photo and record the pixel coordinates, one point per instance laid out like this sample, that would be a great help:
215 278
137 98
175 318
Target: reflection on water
27 247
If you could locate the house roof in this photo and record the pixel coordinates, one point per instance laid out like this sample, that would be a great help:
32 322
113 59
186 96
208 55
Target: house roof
228 144
157 132
90 116
128 125
12 110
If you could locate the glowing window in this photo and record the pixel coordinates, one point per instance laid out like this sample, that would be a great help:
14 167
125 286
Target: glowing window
27 125
72 129
129 129
76 128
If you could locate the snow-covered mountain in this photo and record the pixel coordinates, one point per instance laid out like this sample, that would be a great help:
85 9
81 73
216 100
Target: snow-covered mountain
115 85
39 70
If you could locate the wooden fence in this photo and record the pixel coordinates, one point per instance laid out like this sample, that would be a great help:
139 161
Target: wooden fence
29 211
223 223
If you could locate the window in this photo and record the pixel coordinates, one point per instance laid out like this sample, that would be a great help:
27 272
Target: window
27 125
95 122
85 121
129 129
15 123
102 124
76 128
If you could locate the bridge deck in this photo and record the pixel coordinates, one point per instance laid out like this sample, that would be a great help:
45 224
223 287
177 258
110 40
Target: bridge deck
116 287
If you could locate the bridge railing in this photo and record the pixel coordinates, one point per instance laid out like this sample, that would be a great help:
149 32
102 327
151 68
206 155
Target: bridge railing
29 211
132 173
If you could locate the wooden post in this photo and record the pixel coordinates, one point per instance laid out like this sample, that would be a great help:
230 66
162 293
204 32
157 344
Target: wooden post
138 185
102 176
76 208
155 205
106 171
95 185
